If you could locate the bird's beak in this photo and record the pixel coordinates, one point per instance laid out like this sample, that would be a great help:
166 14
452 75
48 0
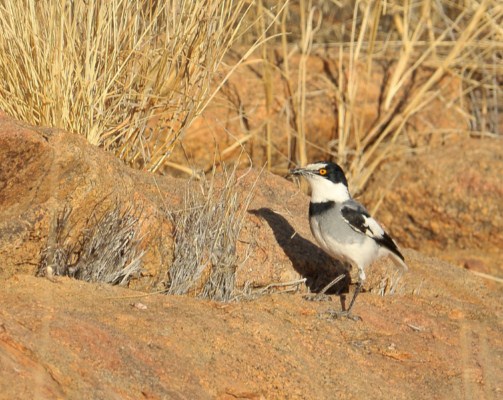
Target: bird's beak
299 171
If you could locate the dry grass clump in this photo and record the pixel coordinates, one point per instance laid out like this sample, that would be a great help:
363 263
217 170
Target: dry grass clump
106 250
389 283
129 75
206 232
132 75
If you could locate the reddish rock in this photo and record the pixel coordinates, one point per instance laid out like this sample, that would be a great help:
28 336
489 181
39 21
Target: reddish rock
446 201
437 336
47 171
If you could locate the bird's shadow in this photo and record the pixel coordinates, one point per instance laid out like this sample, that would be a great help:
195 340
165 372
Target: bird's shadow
308 260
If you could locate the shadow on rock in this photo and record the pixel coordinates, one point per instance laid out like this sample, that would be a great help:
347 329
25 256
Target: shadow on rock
310 261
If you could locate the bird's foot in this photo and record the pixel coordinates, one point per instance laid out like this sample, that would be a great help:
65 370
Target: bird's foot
343 314
317 297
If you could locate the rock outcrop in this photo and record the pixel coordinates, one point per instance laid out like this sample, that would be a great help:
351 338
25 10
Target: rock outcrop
434 332
47 175
447 202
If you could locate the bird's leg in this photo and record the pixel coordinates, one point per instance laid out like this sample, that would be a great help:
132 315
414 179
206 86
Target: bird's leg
347 313
357 291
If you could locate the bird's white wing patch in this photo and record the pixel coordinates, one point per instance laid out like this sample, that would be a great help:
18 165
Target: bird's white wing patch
360 220
373 229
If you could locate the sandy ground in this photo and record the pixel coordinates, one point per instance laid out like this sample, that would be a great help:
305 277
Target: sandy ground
440 338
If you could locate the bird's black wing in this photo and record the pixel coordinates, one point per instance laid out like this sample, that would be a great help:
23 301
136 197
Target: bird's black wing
360 220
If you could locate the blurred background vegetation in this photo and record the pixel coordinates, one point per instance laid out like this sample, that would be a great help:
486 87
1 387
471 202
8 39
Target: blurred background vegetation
177 86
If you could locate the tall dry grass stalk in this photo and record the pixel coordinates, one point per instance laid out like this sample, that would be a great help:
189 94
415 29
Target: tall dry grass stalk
420 45
435 49
128 75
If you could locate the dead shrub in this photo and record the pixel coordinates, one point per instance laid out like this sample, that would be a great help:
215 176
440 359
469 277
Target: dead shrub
206 232
106 250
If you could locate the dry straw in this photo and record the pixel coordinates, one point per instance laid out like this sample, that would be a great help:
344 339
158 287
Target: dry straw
128 75
132 75
425 48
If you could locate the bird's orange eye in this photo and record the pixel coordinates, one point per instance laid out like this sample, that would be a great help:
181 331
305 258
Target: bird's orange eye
322 171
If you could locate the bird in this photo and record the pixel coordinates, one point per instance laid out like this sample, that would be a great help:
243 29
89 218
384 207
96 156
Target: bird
342 226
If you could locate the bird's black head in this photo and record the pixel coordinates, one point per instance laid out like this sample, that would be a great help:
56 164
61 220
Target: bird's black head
328 170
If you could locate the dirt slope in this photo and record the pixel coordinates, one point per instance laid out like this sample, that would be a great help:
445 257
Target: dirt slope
72 339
